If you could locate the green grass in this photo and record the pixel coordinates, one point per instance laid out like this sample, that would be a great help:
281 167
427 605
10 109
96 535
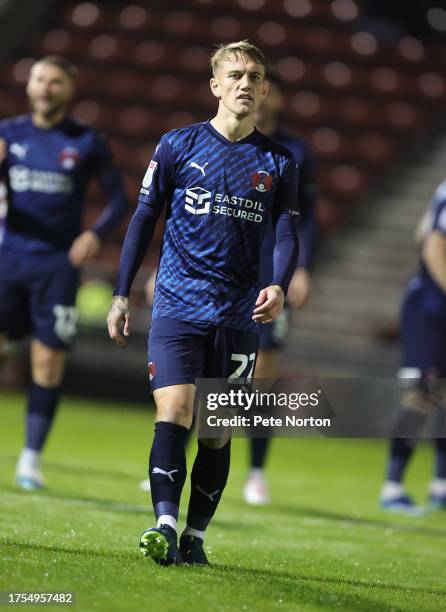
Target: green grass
322 544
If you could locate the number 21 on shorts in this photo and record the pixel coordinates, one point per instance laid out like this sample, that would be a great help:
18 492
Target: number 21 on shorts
244 362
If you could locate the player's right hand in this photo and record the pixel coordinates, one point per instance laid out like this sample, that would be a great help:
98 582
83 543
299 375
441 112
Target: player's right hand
119 318
269 304
3 149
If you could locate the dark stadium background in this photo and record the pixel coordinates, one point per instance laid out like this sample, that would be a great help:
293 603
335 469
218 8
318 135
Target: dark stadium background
364 84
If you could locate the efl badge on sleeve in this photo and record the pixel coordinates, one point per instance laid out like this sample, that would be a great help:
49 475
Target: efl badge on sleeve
262 181
148 177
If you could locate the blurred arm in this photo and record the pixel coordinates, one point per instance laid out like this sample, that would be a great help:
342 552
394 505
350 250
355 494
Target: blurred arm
434 256
113 189
88 243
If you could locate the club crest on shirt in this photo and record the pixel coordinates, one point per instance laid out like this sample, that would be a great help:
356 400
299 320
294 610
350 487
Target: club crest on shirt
152 370
69 158
262 181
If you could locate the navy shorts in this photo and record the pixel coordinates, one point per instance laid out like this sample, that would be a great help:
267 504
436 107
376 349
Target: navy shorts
37 297
182 351
423 333
273 336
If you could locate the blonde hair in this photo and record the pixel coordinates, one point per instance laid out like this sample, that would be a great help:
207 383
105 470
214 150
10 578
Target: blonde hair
241 48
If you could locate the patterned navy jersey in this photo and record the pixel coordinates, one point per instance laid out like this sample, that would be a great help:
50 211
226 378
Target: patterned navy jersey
220 197
436 221
47 173
306 197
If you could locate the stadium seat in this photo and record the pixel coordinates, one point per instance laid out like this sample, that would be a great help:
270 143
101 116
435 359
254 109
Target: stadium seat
135 18
376 148
329 213
87 16
55 42
144 69
404 117
432 85
227 27
12 103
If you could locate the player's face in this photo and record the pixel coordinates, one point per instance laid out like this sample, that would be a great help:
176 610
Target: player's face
271 106
49 89
239 83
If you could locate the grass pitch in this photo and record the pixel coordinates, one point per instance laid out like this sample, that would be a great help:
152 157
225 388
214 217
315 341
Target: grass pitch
322 544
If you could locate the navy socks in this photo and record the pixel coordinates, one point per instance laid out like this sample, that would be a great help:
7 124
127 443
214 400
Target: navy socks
208 480
42 405
167 467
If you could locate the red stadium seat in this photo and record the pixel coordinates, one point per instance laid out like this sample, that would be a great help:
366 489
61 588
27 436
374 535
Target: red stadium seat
404 117
144 69
12 103
87 16
376 148
432 85
55 42
342 181
136 18
329 214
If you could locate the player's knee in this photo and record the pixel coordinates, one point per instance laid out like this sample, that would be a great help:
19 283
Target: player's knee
175 404
217 443
47 369
418 395
174 412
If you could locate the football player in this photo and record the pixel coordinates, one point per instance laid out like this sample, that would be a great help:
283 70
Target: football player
221 180
47 159
423 367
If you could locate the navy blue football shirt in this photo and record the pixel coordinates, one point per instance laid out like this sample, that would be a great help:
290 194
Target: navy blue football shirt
47 173
220 196
436 221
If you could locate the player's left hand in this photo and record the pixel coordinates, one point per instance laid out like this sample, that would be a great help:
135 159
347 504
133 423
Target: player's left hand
269 304
85 247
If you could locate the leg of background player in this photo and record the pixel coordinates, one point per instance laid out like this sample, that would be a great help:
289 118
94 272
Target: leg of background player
437 489
47 367
411 419
3 348
255 491
7 349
